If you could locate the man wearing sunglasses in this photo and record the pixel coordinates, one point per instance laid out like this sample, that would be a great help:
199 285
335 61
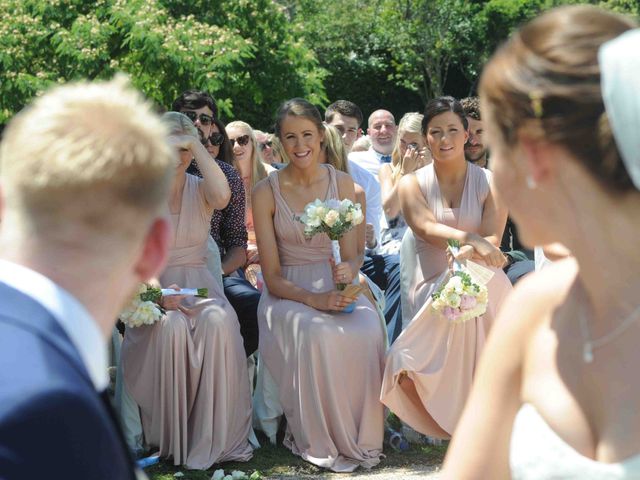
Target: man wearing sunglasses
201 108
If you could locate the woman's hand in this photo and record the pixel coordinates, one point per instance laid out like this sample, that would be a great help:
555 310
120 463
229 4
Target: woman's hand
487 251
412 160
369 236
465 253
330 301
171 302
184 142
252 255
342 272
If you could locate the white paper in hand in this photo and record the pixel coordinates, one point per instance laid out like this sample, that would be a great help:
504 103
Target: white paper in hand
480 274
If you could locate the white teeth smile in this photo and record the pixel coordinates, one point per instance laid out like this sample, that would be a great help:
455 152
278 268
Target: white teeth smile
301 155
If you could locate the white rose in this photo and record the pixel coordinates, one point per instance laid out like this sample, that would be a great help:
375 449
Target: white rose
218 475
331 218
455 284
453 300
348 217
356 215
311 220
345 206
321 211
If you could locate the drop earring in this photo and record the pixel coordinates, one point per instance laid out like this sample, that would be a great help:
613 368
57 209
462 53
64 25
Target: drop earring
531 183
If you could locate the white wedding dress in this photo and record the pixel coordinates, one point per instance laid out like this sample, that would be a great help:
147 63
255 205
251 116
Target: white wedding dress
538 453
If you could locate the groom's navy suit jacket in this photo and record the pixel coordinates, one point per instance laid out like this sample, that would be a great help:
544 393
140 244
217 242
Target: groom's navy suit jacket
53 423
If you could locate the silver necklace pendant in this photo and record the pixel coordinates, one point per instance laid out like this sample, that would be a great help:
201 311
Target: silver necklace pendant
587 352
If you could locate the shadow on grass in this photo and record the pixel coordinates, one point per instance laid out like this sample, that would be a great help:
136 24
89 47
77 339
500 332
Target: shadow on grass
278 462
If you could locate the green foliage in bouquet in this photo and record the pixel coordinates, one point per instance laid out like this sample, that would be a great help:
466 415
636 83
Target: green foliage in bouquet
152 294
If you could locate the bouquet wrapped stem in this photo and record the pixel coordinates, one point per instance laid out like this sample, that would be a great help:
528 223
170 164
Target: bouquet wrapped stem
335 251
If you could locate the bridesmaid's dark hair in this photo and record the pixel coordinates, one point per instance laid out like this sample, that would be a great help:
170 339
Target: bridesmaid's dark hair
297 107
441 105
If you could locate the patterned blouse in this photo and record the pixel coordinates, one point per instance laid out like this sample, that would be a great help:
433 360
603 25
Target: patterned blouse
227 225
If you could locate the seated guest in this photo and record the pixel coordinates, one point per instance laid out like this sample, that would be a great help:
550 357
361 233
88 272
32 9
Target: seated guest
227 225
335 154
382 133
409 154
248 162
83 223
326 364
279 156
430 366
383 270
187 372
475 150
265 146
519 259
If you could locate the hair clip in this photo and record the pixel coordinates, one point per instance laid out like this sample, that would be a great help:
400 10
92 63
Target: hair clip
536 96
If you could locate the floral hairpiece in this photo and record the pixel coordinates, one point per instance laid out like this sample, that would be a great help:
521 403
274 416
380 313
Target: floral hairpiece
535 97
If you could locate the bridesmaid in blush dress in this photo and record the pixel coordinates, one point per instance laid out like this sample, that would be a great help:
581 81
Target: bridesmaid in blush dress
327 364
430 367
187 372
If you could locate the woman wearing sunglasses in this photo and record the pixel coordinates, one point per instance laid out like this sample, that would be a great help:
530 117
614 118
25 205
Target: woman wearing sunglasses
248 161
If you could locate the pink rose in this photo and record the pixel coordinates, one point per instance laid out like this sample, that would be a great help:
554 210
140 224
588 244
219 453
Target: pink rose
467 302
449 312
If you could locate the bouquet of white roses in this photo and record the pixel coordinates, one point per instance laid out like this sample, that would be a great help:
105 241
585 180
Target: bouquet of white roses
144 308
333 217
460 298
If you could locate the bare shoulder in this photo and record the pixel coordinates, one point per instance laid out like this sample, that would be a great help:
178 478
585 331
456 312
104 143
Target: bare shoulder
408 182
537 295
345 182
262 191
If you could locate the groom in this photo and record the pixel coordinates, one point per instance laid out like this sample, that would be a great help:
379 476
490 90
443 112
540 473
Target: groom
84 177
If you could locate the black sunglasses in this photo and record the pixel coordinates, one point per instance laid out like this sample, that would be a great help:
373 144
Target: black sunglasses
216 139
203 117
264 145
242 140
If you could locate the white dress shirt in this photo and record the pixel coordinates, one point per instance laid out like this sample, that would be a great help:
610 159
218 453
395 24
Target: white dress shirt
369 160
372 193
72 316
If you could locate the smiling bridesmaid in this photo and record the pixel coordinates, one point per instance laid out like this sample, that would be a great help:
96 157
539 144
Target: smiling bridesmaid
327 364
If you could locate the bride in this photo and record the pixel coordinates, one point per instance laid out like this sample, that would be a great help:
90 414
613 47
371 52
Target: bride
557 395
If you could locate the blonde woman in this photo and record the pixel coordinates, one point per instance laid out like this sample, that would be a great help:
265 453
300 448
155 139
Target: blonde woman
248 161
409 154
278 152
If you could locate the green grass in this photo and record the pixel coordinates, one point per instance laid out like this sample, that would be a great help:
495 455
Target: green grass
276 461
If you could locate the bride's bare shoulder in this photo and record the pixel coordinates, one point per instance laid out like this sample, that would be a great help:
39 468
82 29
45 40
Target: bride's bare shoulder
539 293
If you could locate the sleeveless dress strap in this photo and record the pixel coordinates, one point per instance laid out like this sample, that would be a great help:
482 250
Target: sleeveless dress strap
333 191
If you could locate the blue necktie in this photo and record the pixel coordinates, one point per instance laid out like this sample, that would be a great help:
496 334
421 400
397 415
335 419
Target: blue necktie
385 158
